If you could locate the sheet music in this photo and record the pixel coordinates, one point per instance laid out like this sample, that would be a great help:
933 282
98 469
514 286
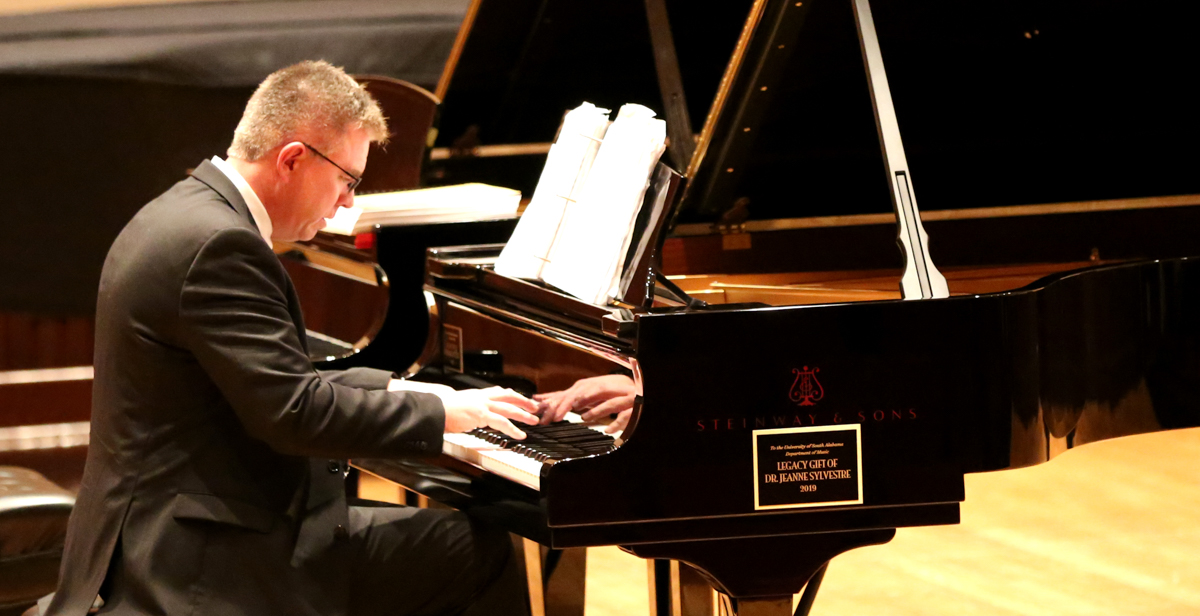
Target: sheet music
561 182
586 257
458 203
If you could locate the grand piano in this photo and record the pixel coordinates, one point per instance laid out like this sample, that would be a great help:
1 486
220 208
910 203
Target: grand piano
803 388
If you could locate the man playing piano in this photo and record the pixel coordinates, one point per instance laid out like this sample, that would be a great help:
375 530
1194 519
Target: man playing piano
214 482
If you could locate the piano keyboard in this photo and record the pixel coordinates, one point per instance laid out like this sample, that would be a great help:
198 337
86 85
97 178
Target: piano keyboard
522 461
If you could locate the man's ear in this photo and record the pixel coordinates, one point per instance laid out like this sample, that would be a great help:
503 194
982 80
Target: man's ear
288 157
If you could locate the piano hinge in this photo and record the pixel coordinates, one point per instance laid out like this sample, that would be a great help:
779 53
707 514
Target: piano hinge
734 238
732 226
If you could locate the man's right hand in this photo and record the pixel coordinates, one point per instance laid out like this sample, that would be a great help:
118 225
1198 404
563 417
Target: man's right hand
493 408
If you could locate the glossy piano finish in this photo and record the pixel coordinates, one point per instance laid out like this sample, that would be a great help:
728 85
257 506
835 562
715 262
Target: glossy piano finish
1102 353
546 363
401 336
1008 371
965 384
971 383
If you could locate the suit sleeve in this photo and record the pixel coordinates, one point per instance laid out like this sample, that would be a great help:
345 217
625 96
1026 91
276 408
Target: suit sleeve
234 317
362 378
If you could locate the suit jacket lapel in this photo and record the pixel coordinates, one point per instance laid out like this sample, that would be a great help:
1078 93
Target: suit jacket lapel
212 177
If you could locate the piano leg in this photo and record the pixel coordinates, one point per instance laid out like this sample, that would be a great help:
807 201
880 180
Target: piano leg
556 579
531 554
679 590
412 499
810 591
676 589
761 574
565 586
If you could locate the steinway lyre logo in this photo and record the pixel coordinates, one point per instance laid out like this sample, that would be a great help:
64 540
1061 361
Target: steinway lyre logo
806 389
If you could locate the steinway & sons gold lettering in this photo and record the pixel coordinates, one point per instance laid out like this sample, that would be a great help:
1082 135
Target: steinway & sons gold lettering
727 424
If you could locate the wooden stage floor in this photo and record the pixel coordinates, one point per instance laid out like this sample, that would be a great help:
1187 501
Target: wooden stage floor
1111 528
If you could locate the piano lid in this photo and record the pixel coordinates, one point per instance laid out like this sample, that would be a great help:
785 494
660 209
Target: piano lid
521 64
998 104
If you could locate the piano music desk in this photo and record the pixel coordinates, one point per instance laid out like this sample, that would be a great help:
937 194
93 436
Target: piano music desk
1112 528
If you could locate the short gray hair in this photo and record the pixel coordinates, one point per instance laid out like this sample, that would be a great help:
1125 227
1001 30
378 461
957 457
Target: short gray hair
313 98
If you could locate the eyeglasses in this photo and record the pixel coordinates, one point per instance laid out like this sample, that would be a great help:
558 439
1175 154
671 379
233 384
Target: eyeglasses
355 180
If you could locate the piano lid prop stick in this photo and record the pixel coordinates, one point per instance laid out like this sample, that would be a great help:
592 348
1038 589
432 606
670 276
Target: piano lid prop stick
921 279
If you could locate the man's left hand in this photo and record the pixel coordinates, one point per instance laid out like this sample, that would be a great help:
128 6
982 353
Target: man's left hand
593 398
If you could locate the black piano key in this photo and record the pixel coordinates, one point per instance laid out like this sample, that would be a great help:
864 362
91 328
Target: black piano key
552 442
580 438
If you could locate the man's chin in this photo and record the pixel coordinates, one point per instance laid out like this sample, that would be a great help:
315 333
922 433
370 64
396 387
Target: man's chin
312 231
300 236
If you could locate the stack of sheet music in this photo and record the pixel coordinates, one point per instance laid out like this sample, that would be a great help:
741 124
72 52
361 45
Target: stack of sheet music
577 229
459 203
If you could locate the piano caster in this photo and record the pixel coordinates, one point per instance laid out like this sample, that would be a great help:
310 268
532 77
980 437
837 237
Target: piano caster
555 578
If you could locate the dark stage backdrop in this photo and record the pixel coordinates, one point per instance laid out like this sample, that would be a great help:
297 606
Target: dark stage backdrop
101 110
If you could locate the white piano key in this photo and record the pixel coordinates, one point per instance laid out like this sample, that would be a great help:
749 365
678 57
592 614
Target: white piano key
465 447
508 464
514 466
575 418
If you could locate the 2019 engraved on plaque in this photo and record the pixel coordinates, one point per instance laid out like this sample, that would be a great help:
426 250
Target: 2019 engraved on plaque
816 466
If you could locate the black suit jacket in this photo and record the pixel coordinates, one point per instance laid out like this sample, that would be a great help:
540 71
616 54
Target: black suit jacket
214 481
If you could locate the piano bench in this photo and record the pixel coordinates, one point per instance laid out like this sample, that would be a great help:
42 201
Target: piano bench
33 526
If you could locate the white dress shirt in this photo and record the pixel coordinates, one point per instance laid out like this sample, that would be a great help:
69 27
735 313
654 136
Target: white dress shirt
257 211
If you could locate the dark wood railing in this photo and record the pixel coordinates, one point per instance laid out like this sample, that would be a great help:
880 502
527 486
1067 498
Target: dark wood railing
29 341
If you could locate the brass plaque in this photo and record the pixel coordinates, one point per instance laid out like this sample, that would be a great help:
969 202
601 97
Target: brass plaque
815 466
